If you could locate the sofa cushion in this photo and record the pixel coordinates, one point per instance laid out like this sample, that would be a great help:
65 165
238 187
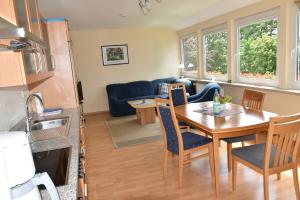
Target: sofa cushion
189 86
156 83
116 91
139 88
163 88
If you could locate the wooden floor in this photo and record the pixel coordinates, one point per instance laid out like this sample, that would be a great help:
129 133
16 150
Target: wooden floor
135 173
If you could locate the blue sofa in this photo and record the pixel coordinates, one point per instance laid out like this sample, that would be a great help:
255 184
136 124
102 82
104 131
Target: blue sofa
206 94
119 94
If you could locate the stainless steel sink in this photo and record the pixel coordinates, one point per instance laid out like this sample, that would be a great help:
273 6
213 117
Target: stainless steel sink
49 123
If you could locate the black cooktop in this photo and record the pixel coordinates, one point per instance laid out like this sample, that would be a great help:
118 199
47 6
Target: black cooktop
55 163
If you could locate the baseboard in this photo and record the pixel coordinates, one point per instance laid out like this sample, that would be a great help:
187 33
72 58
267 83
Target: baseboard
105 112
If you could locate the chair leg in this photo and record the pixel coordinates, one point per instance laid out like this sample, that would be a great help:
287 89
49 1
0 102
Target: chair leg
278 176
229 156
296 183
211 160
165 163
234 171
266 186
188 156
180 166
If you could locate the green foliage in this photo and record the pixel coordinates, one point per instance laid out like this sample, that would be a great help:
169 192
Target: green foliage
225 99
258 55
258 49
216 52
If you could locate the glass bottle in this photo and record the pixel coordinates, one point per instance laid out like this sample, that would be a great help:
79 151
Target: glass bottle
216 103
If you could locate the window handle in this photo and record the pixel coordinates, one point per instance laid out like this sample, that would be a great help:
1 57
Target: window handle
293 53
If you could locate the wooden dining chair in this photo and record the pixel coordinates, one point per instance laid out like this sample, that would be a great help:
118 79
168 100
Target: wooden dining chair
177 94
278 154
252 100
180 143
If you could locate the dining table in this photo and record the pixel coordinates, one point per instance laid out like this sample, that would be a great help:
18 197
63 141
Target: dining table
233 121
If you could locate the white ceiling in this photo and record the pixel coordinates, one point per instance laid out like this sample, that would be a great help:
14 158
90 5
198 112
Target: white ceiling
175 14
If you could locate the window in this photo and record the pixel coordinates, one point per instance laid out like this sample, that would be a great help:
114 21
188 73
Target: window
215 45
258 49
189 52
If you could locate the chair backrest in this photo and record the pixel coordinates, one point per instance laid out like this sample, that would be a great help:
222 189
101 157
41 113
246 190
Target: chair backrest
253 100
171 132
177 93
284 136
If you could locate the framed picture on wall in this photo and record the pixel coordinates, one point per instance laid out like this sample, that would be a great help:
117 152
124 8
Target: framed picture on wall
115 54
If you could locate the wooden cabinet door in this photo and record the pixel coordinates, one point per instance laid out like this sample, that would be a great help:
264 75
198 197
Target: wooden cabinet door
61 85
22 68
10 62
7 10
34 17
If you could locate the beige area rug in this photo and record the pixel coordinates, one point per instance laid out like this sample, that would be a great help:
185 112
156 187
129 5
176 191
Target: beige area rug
126 131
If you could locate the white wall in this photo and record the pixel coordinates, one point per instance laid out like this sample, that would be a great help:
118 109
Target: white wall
153 53
12 106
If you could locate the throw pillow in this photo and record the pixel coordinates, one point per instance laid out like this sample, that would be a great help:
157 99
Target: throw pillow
163 88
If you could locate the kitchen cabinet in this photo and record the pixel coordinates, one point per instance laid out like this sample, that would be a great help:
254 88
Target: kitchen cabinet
62 85
7 10
28 66
33 16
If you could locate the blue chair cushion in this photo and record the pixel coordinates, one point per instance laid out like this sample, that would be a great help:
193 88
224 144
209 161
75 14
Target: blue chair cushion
255 154
192 140
239 139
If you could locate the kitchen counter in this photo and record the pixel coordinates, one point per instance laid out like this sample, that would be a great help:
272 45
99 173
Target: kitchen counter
68 191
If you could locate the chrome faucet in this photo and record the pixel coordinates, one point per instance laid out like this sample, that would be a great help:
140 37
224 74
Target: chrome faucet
28 116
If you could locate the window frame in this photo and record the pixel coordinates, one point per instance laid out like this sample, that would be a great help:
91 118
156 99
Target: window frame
295 51
215 29
246 21
182 54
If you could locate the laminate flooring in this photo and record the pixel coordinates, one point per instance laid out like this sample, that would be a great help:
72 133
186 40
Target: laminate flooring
135 173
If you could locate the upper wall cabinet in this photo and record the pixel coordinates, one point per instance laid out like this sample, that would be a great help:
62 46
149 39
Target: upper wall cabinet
24 48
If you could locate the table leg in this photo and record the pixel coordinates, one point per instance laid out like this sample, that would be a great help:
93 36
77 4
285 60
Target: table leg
217 164
146 115
138 113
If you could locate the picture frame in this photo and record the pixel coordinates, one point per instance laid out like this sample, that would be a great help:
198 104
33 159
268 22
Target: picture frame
115 54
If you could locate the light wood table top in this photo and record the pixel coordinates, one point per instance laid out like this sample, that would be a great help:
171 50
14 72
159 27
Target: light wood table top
143 103
244 122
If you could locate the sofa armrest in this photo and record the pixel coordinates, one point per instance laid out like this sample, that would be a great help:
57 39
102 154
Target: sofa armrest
206 94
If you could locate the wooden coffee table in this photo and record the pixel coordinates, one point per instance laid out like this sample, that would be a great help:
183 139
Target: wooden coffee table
145 110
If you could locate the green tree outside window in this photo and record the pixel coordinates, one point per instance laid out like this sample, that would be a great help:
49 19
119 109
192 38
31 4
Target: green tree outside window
215 50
